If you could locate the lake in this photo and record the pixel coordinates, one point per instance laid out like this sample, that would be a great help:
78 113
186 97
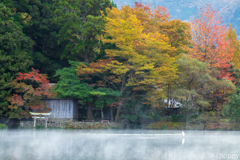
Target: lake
118 145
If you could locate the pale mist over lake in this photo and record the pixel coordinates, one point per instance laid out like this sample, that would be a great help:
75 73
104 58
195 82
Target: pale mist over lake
118 145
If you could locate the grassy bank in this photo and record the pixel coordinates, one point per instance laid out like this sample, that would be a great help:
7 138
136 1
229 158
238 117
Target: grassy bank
193 126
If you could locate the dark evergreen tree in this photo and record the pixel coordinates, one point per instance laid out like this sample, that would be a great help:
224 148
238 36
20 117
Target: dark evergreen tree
81 24
15 54
36 17
114 4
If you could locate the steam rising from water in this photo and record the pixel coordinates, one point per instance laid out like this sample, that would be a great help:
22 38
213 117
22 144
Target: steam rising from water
117 145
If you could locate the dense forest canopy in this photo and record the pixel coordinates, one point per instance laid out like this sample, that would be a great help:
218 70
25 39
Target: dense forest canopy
229 10
132 59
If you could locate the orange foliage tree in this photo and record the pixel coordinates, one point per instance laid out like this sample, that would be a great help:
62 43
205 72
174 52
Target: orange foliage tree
29 89
211 46
158 19
209 41
151 19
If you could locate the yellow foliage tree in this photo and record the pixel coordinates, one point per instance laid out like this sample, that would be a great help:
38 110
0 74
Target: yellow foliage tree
142 61
178 32
235 45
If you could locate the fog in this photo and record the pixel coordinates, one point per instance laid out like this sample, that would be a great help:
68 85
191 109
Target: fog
119 145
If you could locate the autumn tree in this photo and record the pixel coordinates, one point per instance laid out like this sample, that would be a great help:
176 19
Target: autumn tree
29 89
158 19
151 19
211 46
235 45
142 60
178 32
209 41
15 54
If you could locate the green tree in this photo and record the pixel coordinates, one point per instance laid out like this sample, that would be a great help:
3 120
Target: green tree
114 4
15 54
70 85
206 118
81 24
37 19
198 85
232 108
103 97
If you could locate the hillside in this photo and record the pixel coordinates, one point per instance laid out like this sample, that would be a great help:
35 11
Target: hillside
185 9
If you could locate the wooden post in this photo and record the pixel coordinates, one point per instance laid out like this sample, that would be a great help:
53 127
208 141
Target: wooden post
34 134
46 119
34 123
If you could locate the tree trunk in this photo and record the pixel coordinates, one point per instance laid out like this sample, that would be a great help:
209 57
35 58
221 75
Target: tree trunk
89 111
88 104
204 126
86 55
168 98
117 117
102 116
187 120
111 114
170 111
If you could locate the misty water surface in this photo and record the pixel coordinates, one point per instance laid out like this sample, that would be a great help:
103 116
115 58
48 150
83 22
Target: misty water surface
119 145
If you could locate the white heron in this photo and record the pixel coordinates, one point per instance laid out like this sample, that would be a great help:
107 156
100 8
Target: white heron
183 134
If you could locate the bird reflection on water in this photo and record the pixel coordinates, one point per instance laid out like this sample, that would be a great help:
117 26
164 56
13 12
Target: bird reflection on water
183 141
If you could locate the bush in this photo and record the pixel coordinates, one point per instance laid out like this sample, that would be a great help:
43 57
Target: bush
40 127
178 118
166 125
3 126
